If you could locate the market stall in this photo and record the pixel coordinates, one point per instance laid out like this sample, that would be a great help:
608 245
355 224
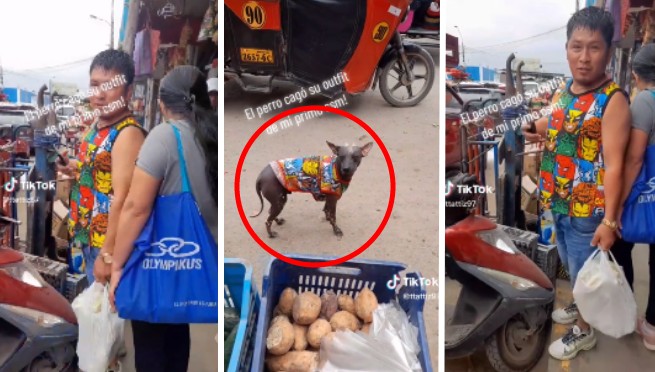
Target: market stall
167 34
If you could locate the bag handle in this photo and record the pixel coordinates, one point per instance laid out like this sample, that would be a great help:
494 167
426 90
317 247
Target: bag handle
180 152
605 256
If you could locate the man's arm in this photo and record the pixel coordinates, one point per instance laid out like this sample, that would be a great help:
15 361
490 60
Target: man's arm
615 133
123 159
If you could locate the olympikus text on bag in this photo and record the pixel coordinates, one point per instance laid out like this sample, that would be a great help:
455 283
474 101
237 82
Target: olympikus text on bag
172 254
648 196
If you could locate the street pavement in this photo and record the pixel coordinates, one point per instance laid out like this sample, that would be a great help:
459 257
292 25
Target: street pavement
411 137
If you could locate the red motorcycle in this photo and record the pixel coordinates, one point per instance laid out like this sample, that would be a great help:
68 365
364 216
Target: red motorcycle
327 47
38 328
505 299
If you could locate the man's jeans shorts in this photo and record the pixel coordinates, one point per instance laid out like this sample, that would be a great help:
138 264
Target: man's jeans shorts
574 235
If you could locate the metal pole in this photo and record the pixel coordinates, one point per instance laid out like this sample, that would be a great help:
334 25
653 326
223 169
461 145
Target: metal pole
463 48
111 42
130 29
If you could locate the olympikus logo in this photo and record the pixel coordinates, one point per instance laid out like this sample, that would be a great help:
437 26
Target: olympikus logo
172 254
647 196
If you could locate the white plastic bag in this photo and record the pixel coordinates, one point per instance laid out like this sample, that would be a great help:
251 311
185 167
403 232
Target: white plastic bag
100 330
390 345
604 297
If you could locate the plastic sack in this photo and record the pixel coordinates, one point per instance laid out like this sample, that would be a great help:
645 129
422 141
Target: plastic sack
100 330
391 345
604 297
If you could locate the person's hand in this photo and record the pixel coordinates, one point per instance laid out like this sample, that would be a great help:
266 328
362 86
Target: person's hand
603 238
66 167
113 283
529 136
101 270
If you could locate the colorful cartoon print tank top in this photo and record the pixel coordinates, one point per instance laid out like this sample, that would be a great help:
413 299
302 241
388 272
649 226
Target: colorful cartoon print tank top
572 168
91 194
314 174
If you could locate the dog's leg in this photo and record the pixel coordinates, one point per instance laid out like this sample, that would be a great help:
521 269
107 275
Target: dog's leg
326 211
272 216
331 206
276 194
283 201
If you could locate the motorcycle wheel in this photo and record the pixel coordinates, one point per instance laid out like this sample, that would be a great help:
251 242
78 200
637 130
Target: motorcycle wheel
393 77
65 360
511 350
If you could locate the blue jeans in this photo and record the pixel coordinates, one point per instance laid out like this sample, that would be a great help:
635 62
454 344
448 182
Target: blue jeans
90 255
574 235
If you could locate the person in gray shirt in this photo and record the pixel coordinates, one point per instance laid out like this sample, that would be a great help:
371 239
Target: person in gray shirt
642 136
184 104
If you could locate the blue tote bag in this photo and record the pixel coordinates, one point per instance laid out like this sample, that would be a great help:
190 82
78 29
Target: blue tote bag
172 273
638 216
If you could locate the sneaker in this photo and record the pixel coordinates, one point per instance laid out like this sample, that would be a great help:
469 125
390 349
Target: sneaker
117 367
572 343
647 332
566 315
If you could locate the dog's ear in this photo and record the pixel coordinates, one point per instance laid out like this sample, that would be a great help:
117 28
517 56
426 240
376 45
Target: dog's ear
335 149
366 148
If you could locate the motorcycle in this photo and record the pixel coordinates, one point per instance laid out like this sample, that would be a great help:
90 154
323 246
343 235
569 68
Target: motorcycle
422 21
38 328
505 299
328 48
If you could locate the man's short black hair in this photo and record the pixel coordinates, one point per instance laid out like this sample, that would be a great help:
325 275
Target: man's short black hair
117 60
594 19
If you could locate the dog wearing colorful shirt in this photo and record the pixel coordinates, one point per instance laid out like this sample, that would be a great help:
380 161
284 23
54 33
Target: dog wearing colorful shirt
326 177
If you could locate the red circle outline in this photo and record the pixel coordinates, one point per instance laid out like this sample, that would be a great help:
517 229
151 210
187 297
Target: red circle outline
273 252
237 188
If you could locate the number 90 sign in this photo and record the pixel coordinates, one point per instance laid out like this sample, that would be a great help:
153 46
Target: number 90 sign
254 15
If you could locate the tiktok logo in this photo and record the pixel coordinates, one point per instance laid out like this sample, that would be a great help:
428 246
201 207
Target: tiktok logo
393 283
10 185
449 188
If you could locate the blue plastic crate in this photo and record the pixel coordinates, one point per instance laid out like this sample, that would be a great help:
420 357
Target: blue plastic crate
240 293
349 278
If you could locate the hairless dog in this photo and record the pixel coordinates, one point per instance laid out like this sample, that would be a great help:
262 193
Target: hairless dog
326 177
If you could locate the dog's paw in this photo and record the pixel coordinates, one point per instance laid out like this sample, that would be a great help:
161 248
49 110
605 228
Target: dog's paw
280 221
272 235
338 233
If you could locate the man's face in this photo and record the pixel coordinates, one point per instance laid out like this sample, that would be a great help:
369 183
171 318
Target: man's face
108 87
588 56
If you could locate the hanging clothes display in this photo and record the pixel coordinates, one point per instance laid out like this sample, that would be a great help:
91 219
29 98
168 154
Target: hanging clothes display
209 27
619 10
142 53
146 44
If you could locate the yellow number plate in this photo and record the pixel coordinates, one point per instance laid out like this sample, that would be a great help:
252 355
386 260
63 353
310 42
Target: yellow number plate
257 55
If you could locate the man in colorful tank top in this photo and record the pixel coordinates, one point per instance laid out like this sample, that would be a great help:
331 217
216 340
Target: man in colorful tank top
103 167
580 178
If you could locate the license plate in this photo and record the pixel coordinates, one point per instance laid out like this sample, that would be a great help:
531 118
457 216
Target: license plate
257 55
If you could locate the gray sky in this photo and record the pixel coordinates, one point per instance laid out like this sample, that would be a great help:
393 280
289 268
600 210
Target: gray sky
484 24
40 33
